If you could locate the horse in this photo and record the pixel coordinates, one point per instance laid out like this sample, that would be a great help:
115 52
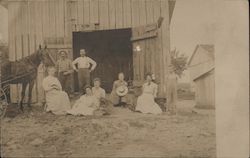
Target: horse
24 72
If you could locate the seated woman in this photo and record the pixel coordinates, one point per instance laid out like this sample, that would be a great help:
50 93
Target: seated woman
57 101
119 99
86 104
145 102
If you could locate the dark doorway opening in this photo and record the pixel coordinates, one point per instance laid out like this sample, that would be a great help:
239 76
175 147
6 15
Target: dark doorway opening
111 49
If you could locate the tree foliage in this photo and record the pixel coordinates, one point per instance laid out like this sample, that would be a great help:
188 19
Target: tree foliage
179 62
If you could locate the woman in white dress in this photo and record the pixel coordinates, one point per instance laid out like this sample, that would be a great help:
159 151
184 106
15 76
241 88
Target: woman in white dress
145 102
86 104
57 101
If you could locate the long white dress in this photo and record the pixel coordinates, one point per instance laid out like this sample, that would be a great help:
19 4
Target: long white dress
145 102
85 105
57 101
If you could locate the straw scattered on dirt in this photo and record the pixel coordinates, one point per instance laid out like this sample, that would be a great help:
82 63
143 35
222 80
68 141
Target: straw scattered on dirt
124 133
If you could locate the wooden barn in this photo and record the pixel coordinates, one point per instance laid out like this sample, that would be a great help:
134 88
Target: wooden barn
131 36
201 67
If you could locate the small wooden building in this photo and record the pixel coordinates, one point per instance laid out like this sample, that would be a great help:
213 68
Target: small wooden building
132 36
201 67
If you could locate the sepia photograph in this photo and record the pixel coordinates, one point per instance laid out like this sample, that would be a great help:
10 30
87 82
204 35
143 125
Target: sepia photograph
119 78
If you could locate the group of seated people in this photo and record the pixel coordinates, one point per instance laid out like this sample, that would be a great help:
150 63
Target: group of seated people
58 102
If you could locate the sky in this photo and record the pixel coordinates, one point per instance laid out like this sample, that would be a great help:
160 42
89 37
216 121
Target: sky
192 23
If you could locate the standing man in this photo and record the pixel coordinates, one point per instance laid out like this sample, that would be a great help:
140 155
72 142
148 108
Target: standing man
85 66
172 91
64 69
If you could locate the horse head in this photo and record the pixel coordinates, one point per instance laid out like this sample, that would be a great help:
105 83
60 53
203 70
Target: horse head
45 57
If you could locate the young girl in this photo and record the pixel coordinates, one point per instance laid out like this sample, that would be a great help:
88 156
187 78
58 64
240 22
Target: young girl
98 91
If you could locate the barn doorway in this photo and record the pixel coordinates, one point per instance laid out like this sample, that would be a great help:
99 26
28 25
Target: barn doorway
111 49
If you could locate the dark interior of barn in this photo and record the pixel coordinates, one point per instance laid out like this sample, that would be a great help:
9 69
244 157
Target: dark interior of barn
111 49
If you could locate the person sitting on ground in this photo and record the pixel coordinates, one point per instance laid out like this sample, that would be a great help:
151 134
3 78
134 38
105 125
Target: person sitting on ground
145 102
57 101
86 104
98 91
118 95
100 94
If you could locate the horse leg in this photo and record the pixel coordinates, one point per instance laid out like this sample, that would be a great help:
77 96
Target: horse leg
31 85
24 85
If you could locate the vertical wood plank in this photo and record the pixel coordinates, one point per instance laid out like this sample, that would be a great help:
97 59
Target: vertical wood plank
38 24
127 19
80 12
165 41
86 7
118 14
150 43
135 13
32 27
45 19
104 14
66 20
94 12
158 49
25 27
18 31
142 12
12 12
143 53
69 18
24 38
61 21
135 23
52 21
57 18
73 16
112 19
11 30
18 42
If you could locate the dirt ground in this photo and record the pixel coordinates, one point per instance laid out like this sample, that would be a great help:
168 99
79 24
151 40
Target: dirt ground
123 134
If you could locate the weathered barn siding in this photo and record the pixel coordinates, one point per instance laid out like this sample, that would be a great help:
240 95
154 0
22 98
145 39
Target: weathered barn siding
205 91
34 22
201 67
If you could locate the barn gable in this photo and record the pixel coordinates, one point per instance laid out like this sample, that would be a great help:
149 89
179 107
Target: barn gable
171 4
201 61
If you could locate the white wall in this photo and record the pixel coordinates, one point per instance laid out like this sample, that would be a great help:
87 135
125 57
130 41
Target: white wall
232 78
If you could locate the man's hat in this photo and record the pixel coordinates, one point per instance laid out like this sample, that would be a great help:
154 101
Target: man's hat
122 91
63 51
